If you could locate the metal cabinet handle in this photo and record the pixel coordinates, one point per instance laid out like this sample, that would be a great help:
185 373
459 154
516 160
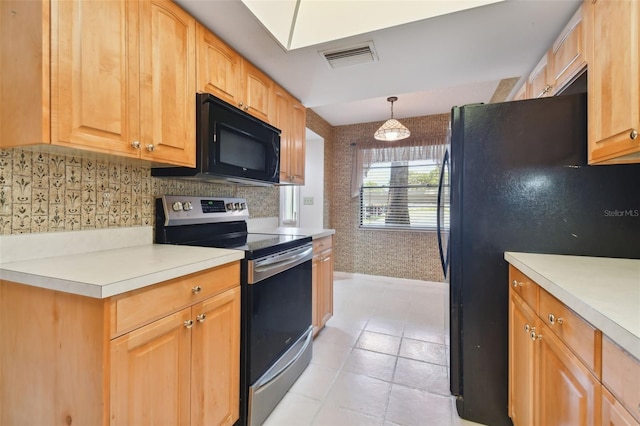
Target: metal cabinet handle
197 289
201 317
517 284
188 323
634 135
527 328
150 147
553 320
240 104
246 108
135 144
535 336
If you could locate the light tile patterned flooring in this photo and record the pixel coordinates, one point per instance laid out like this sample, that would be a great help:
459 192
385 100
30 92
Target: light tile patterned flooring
381 360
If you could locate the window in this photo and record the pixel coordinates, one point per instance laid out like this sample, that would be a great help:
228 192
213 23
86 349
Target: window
289 196
403 195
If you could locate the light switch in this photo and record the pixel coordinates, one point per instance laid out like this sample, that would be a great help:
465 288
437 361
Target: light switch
307 201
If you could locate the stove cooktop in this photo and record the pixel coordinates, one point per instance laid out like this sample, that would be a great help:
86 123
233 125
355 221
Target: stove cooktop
216 222
254 245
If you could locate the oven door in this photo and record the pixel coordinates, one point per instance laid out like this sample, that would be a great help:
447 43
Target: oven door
278 306
278 334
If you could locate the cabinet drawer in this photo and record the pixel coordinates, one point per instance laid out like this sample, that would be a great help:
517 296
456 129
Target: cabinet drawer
525 287
322 244
575 332
139 307
621 375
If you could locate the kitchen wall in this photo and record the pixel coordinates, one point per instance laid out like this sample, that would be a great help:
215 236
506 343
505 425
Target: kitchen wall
402 254
323 129
60 191
63 191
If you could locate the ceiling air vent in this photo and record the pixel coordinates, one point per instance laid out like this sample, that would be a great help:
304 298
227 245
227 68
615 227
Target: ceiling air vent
354 55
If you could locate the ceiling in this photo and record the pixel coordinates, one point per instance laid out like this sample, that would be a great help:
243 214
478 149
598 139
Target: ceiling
430 64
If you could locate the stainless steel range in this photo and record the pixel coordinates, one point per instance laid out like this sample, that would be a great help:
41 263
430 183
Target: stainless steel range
276 331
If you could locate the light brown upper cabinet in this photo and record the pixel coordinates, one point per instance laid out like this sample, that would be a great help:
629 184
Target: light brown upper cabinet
521 94
167 83
567 53
224 73
289 115
613 57
564 61
540 83
218 67
115 77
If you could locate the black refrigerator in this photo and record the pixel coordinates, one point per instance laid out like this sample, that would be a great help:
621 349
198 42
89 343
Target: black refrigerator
519 181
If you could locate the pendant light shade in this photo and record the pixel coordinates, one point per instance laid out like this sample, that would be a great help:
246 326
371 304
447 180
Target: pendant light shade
392 129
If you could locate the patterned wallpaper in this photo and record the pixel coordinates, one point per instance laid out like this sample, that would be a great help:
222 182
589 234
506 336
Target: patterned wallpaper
53 192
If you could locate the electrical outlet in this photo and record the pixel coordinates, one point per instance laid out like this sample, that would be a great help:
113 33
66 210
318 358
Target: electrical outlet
307 201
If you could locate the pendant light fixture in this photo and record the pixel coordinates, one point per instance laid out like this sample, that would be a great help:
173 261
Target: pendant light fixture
392 129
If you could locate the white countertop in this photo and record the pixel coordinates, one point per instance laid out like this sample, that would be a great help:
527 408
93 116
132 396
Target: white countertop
604 291
64 262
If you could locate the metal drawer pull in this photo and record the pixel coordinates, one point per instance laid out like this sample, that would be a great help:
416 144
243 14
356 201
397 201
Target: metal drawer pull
201 317
197 289
634 135
553 320
527 328
188 323
516 284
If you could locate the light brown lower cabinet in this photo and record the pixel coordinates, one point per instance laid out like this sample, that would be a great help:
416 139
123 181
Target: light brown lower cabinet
165 372
567 392
322 294
165 354
560 366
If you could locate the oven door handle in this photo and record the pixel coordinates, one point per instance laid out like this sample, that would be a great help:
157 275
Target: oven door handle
258 270
291 356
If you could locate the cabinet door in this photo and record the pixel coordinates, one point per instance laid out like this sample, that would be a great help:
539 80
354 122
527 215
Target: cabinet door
297 143
326 286
568 52
521 94
316 295
614 80
215 371
281 118
218 67
25 41
522 365
150 370
94 75
613 413
567 392
167 83
257 87
539 85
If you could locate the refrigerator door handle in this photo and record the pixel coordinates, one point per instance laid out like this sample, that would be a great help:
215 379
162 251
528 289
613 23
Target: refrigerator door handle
444 260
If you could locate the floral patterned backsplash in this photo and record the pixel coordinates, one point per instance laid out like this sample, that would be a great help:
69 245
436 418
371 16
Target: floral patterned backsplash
53 192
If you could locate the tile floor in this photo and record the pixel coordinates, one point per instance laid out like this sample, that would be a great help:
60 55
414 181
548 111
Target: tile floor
382 359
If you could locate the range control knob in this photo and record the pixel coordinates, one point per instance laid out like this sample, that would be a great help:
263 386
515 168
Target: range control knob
176 206
186 206
236 206
229 206
243 206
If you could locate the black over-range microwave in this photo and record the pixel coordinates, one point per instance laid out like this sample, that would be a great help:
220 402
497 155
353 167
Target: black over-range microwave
231 145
